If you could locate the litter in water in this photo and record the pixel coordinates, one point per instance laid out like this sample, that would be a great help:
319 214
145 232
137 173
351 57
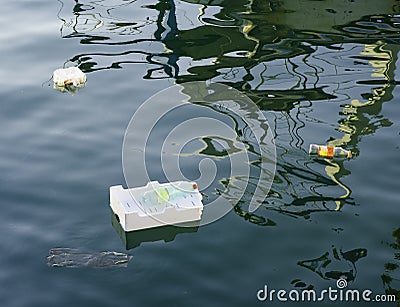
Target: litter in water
329 151
156 204
69 79
73 258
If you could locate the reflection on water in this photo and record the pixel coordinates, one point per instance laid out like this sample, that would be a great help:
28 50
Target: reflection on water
133 239
330 73
98 20
391 276
336 264
285 61
230 34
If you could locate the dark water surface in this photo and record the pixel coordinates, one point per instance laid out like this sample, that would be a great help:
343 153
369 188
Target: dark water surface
321 71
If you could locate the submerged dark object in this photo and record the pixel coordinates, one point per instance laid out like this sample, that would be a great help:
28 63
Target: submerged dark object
72 258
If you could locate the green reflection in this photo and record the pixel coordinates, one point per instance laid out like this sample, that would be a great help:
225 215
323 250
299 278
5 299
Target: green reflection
287 62
391 278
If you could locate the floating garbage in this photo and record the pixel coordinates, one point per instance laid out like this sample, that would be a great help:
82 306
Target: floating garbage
156 204
73 258
69 79
329 151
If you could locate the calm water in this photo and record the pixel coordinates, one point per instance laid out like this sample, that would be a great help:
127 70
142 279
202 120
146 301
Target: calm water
319 70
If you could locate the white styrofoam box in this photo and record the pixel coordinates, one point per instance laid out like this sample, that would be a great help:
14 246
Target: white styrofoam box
156 204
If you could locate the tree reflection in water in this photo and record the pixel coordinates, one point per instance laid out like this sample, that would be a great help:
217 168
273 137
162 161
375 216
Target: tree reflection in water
287 63
309 65
336 264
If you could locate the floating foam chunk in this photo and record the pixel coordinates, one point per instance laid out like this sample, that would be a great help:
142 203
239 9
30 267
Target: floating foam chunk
71 76
156 204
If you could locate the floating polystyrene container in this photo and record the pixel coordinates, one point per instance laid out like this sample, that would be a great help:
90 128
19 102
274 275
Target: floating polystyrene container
156 204
65 78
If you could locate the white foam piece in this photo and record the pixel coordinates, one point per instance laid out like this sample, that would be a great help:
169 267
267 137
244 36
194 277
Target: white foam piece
156 204
69 76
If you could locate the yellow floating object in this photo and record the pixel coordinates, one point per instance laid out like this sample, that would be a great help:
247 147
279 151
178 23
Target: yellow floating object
330 152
